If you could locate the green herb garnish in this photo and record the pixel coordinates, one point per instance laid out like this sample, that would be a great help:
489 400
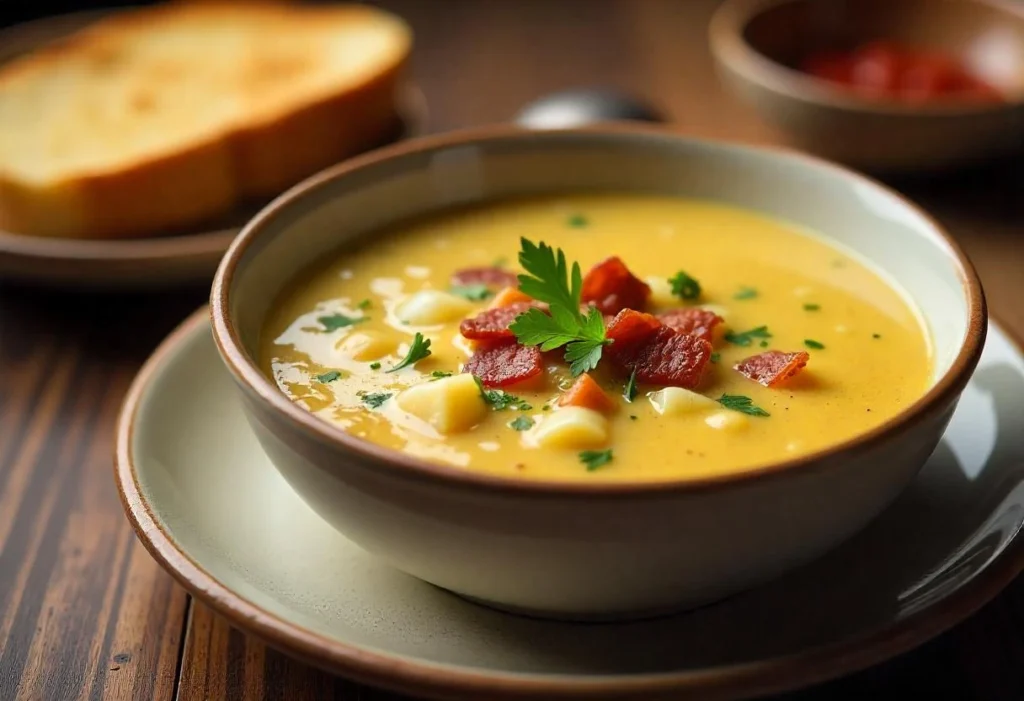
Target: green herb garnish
594 459
339 321
474 293
745 293
815 345
577 221
521 423
438 374
763 344
745 338
375 400
548 280
684 286
328 376
715 357
375 365
629 393
812 307
500 399
364 304
737 402
633 417
876 335
418 350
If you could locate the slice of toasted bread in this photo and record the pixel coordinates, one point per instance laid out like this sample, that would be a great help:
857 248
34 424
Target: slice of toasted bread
161 118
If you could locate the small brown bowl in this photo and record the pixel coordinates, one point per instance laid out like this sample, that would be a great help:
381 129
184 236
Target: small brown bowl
758 43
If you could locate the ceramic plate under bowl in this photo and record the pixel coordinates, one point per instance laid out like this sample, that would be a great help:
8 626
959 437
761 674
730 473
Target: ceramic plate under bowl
215 513
190 256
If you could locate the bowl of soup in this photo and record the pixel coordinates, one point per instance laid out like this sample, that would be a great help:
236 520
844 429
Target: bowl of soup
893 86
596 373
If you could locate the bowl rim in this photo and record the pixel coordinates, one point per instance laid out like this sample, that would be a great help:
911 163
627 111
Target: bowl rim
248 375
729 45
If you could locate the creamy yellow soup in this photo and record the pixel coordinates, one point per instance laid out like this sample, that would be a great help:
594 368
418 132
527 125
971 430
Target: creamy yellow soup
334 334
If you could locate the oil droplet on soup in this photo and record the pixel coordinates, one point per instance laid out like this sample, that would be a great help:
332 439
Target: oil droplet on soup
370 340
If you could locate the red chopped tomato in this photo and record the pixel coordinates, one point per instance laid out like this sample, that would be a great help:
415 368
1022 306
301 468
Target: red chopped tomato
698 322
492 324
490 276
772 368
505 364
668 357
610 287
630 326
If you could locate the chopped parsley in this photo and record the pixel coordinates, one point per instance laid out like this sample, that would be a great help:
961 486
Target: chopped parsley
763 344
715 357
744 405
334 322
330 376
375 399
521 423
745 293
577 221
745 338
474 293
629 393
375 365
814 345
633 417
438 374
364 304
876 335
418 350
548 279
500 400
594 459
812 307
684 286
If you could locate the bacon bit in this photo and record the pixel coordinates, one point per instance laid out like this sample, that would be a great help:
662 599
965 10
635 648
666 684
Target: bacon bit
492 324
586 393
505 364
611 287
772 368
509 296
667 358
697 322
492 277
630 326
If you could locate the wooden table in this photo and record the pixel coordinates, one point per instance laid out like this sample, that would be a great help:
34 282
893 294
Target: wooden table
85 612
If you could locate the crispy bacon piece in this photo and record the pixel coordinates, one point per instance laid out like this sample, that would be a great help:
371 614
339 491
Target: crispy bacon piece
698 322
610 287
773 367
586 393
494 278
630 326
505 364
668 357
492 324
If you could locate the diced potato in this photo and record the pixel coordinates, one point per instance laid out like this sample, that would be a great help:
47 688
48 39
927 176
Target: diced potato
451 405
429 307
727 421
676 401
366 345
463 344
661 291
570 427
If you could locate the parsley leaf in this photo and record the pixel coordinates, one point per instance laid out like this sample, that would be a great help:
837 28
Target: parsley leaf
521 423
812 307
418 350
629 393
375 400
814 345
330 376
594 459
365 304
500 399
715 357
339 321
745 338
474 293
577 221
438 374
744 405
375 365
745 293
684 286
548 279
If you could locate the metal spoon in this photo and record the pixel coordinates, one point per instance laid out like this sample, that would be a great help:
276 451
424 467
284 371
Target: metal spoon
580 106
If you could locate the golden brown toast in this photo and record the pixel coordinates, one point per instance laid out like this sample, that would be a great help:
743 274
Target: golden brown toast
160 118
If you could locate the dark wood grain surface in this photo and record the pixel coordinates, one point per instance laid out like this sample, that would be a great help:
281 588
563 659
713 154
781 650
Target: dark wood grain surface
85 613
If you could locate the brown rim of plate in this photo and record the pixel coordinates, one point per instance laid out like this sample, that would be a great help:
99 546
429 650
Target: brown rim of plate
248 374
402 674
726 38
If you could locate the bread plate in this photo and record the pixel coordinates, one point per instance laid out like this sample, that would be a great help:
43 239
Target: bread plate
179 258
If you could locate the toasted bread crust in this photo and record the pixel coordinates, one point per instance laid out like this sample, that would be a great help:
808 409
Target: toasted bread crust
202 177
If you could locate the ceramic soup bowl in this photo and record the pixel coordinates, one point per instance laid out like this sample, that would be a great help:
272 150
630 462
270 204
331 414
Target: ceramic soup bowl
593 550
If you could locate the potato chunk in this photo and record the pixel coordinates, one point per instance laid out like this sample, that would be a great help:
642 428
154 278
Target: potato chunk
676 401
450 405
570 427
429 307
366 345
